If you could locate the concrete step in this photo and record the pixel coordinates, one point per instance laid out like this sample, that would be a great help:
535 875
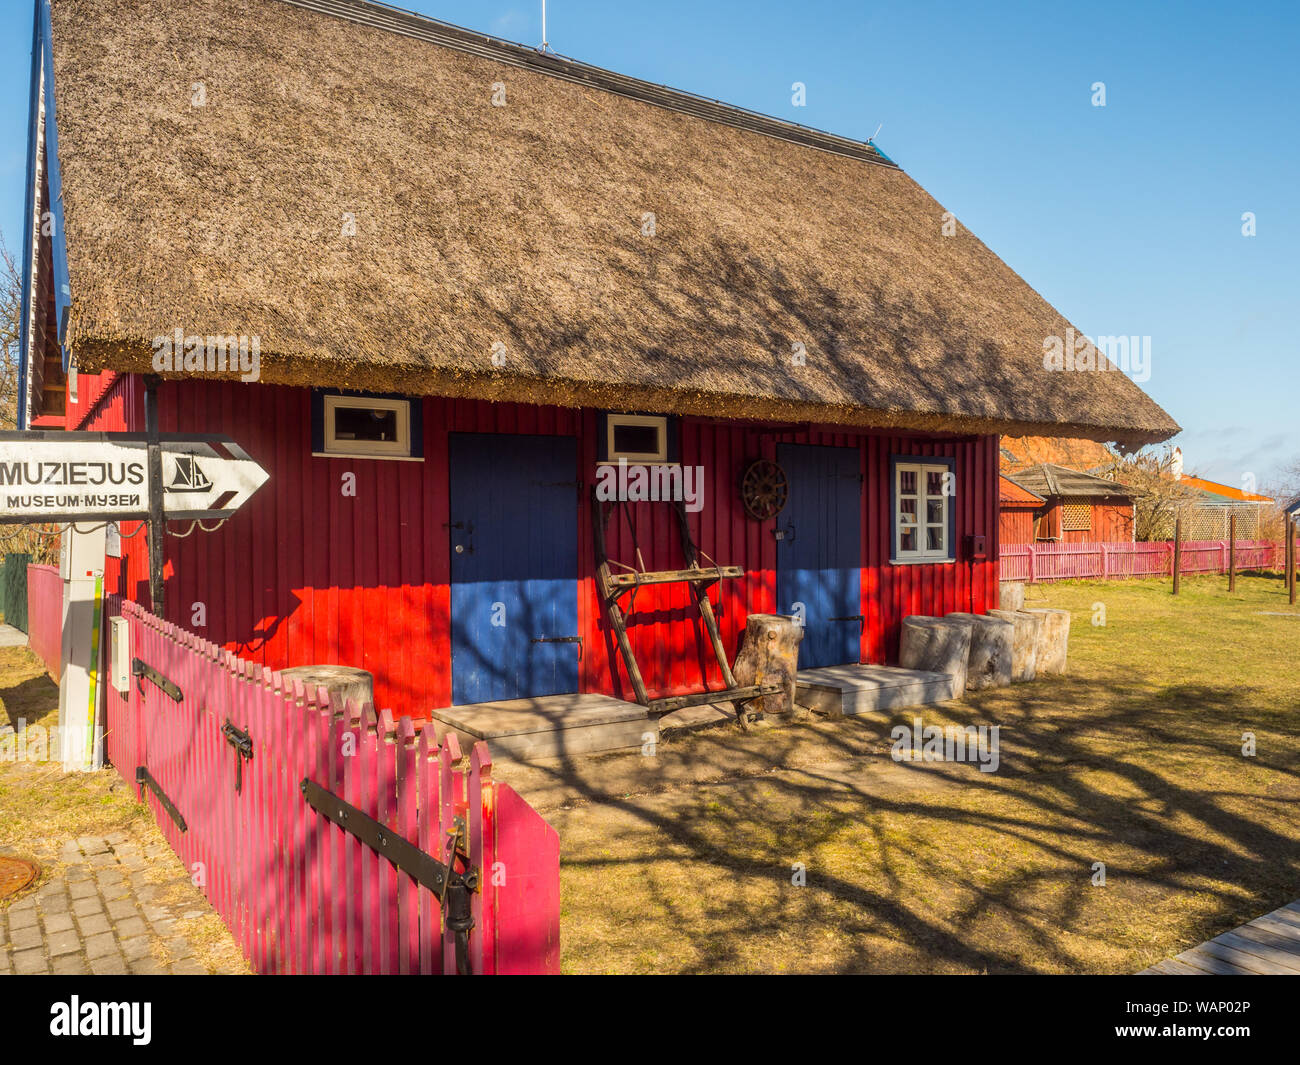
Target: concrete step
552 726
859 689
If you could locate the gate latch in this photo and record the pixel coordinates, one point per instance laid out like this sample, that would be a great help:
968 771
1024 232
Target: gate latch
458 916
145 672
243 744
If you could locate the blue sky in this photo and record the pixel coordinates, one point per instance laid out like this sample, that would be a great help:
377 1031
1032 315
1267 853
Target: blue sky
1126 217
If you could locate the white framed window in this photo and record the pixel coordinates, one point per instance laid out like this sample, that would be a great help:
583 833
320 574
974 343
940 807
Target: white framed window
639 438
366 427
923 516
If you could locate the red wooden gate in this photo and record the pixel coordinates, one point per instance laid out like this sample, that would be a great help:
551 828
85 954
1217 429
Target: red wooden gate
299 893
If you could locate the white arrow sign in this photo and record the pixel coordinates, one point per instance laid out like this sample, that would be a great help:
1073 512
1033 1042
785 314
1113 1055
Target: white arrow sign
55 476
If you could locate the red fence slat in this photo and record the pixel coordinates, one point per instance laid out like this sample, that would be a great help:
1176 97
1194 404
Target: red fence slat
298 893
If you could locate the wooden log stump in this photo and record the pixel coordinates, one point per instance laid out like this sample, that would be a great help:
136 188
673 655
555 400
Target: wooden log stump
342 682
1011 595
937 645
1024 642
991 646
1053 641
769 655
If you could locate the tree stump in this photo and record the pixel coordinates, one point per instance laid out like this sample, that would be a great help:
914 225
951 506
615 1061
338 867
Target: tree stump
1053 641
342 682
1024 642
938 645
1011 596
991 648
769 655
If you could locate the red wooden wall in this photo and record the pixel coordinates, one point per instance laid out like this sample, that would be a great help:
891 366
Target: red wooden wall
304 575
1016 524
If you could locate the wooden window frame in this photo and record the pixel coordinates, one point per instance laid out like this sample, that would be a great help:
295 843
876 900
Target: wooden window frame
659 457
921 466
325 444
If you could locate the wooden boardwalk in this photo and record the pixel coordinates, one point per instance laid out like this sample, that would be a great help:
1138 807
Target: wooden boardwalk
1267 946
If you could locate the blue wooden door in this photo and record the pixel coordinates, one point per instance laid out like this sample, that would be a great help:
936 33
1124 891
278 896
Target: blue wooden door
514 566
819 554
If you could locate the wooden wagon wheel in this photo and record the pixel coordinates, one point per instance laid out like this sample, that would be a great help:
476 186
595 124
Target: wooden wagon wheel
764 489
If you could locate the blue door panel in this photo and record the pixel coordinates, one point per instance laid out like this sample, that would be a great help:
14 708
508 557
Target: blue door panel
819 557
514 566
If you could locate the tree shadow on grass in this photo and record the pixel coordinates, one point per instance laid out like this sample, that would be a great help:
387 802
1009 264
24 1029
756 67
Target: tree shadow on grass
30 701
934 867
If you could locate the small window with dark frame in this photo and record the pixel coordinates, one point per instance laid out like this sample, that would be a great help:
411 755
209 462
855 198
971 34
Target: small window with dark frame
367 427
636 437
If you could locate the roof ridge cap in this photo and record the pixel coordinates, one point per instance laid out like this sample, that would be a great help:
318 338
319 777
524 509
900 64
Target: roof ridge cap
397 20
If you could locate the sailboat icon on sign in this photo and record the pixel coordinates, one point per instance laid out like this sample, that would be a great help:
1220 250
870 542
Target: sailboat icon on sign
188 477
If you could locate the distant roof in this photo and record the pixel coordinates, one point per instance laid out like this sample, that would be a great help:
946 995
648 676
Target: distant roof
1010 492
1090 456
1048 479
1293 507
1222 493
348 194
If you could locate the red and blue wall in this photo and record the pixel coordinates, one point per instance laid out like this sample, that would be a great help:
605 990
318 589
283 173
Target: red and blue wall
306 575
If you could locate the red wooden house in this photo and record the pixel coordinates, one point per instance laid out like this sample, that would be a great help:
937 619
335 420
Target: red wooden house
475 278
1074 507
1018 510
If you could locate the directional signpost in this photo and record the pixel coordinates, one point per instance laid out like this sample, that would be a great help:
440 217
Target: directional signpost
98 478
57 476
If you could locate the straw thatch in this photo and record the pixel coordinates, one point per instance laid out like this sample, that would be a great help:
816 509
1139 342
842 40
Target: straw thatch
520 225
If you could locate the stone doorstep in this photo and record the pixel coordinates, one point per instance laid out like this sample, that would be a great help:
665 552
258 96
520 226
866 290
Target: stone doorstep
860 689
551 726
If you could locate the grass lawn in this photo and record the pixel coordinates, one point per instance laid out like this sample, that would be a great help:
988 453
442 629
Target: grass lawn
683 861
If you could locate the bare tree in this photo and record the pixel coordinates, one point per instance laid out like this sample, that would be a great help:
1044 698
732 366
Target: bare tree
16 539
11 308
1159 496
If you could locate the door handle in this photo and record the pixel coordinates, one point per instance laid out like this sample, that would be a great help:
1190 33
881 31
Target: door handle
561 639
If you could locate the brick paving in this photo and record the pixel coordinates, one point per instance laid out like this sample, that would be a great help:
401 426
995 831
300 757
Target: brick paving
111 907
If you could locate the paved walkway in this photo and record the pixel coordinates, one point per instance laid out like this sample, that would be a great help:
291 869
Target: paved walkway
11 637
1267 946
118 905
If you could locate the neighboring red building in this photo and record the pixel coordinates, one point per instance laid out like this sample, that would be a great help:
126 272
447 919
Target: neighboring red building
1076 507
467 314
1017 512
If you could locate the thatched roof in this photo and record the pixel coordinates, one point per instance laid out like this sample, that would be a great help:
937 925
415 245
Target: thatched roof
1047 479
522 225
1086 455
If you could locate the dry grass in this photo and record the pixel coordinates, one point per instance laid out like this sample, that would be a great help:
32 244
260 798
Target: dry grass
41 807
684 862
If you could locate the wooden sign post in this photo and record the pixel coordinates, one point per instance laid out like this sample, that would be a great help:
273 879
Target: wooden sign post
156 526
1290 559
1178 550
1232 552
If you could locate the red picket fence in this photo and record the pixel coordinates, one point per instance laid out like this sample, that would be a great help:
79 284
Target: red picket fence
1113 561
45 616
300 894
